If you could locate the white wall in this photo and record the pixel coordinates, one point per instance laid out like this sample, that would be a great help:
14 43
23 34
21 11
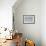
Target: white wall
31 31
43 22
6 13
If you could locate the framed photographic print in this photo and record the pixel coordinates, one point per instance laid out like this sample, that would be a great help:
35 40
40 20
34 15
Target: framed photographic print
28 19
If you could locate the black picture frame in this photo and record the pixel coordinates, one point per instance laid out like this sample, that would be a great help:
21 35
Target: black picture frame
28 19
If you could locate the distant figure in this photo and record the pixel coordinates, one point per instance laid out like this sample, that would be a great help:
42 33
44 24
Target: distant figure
18 39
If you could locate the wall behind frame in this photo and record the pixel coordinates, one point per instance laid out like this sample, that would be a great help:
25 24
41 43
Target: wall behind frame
30 31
